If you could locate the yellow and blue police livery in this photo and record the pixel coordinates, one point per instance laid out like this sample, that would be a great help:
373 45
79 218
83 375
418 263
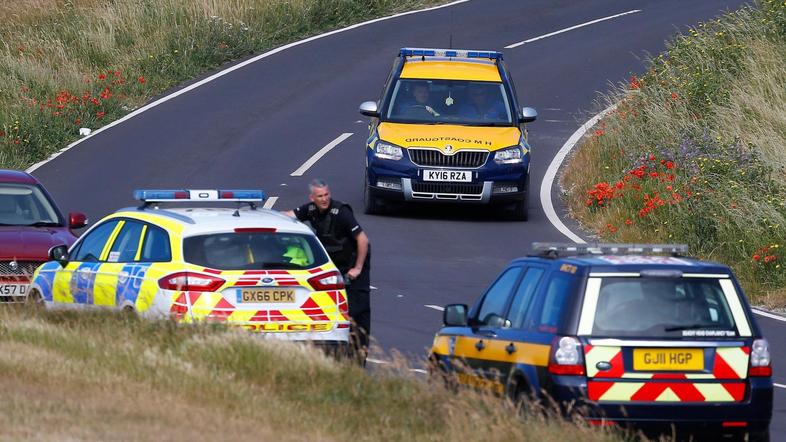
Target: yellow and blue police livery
245 266
626 336
448 128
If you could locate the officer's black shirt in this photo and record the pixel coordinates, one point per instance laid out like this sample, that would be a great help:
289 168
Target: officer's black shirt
343 227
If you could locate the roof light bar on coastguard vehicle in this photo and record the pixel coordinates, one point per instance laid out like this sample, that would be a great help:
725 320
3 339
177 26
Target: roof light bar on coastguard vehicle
449 53
150 196
556 250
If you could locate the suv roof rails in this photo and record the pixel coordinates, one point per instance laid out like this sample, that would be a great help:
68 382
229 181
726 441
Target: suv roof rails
559 250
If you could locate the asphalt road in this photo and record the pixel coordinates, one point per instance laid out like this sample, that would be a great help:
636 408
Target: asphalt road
258 124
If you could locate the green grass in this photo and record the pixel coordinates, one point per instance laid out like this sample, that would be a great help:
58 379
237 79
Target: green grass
66 64
105 376
695 152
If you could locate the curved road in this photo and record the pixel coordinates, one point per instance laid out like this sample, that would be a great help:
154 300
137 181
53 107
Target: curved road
257 125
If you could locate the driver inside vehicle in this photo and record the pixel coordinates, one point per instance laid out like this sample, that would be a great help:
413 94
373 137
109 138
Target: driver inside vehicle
421 104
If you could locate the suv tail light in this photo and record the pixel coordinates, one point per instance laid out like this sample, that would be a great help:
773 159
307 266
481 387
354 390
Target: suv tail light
188 281
760 359
566 357
327 281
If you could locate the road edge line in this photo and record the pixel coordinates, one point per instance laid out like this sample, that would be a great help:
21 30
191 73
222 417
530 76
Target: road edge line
551 174
768 314
571 28
320 153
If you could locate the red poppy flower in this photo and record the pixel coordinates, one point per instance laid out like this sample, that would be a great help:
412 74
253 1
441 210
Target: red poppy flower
756 258
102 76
141 80
628 222
100 114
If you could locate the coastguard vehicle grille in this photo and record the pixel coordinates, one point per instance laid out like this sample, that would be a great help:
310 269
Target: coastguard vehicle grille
435 158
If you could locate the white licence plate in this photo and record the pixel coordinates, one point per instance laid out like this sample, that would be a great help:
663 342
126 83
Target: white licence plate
463 176
13 289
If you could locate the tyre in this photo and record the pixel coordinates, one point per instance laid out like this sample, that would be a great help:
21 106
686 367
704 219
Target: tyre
371 205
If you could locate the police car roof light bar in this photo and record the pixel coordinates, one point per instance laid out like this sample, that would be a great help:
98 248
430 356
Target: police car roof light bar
450 53
149 196
555 250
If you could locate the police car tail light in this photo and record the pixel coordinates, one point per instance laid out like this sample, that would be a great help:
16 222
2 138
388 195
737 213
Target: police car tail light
327 281
761 362
187 281
566 357
388 151
511 155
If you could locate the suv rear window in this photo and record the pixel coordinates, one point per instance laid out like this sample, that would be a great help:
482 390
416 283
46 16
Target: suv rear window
662 307
254 251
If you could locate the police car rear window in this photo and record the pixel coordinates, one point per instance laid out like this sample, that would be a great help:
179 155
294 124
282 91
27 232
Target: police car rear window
254 251
662 307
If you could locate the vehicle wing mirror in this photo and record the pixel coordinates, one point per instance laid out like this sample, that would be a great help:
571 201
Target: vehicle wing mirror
369 109
455 315
77 220
528 115
59 254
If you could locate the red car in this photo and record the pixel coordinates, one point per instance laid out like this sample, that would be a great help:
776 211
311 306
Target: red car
30 224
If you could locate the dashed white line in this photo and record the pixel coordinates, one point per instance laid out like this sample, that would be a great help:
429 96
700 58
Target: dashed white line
769 315
435 307
226 71
375 361
418 370
270 202
779 385
320 153
551 34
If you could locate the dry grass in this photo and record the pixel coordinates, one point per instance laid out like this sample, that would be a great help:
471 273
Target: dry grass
68 376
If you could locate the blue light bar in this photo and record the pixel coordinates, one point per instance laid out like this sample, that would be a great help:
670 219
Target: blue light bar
449 53
185 195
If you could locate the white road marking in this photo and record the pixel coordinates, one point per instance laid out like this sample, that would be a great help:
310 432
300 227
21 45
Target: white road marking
779 385
769 315
551 34
226 71
270 202
320 153
373 288
435 307
551 174
375 361
418 370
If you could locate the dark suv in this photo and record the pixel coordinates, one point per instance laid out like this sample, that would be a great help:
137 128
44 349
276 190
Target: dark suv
655 342
30 224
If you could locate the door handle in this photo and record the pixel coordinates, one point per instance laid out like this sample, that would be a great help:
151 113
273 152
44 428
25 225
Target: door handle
510 348
480 345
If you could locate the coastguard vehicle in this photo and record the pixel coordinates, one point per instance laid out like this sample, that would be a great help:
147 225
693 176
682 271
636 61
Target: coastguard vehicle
247 267
448 128
654 342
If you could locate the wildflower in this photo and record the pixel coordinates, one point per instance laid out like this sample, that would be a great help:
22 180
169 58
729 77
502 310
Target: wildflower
628 222
141 80
599 132
669 165
106 94
102 76
652 157
78 122
95 101
674 96
100 114
654 174
117 73
756 257
634 82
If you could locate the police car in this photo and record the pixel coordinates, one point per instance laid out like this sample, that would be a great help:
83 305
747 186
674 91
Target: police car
448 128
250 267
630 337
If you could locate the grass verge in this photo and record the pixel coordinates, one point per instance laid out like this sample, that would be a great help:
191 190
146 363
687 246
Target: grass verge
68 64
105 376
695 151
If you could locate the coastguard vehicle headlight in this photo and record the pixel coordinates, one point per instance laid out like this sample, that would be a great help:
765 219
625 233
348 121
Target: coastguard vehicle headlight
510 155
388 151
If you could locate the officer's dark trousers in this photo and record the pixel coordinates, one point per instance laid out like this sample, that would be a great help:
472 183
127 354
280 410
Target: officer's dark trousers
358 294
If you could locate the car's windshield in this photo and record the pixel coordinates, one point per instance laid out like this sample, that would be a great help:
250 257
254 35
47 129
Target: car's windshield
662 307
25 205
476 103
255 250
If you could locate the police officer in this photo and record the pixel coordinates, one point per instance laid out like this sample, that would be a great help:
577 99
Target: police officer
348 247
